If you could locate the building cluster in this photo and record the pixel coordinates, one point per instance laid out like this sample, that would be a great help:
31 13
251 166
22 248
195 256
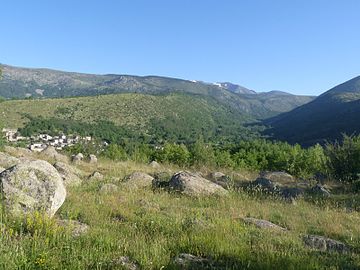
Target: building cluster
40 142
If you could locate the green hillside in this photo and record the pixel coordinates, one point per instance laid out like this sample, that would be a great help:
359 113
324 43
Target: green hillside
44 83
335 112
174 115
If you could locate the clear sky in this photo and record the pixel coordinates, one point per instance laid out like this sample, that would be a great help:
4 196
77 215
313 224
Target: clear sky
299 46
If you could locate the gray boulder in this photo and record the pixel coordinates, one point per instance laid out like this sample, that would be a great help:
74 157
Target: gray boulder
155 165
93 159
263 224
140 180
324 244
265 184
320 190
192 184
2 169
7 161
51 153
32 186
278 177
95 176
109 188
77 158
69 174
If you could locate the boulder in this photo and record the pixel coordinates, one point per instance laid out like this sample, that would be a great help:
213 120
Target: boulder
50 152
324 244
189 261
155 165
75 227
8 161
291 193
2 169
217 175
278 177
18 151
263 224
96 176
140 180
192 184
320 190
265 184
77 158
69 174
93 159
32 186
109 188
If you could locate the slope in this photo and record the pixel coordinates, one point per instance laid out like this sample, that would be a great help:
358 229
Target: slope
335 112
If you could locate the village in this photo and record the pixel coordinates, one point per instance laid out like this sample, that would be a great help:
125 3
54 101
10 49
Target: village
42 141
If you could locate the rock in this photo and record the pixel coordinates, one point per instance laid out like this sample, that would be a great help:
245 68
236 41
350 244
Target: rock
291 193
18 151
125 263
324 244
155 165
32 186
265 184
2 169
217 175
320 190
96 176
77 228
278 177
194 185
77 158
263 224
189 261
109 188
8 161
140 180
50 152
69 174
93 159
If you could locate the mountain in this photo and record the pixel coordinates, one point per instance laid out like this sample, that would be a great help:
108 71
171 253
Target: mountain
235 88
44 83
324 119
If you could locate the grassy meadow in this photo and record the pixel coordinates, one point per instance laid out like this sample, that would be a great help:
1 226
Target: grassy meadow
151 227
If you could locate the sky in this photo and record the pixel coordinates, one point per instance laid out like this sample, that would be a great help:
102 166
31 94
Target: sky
299 46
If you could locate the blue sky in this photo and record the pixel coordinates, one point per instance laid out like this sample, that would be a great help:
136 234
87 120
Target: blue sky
300 46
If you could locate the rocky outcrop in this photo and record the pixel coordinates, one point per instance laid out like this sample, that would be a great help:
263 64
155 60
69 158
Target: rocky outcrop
32 186
263 224
69 174
194 185
139 180
324 244
7 161
2 169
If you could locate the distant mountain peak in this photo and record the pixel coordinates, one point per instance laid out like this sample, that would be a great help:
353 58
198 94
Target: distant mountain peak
235 88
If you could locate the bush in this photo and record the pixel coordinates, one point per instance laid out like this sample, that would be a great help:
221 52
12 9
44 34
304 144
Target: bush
343 159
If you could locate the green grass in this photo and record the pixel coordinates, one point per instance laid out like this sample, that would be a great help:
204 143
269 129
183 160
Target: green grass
152 227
